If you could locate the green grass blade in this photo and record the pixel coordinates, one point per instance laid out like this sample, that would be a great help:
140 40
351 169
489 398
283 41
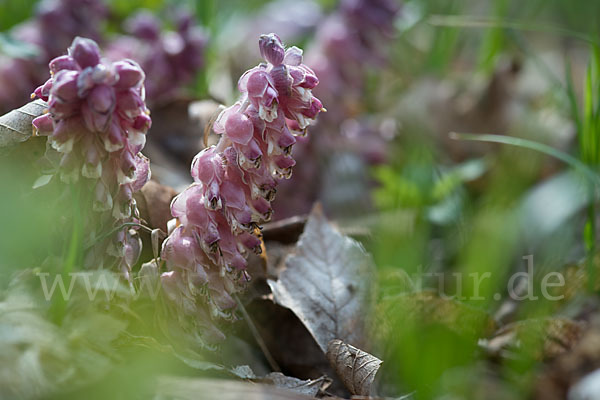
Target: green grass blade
573 101
595 103
531 145
588 111
471 21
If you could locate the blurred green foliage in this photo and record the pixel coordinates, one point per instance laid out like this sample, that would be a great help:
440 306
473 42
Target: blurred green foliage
14 11
487 230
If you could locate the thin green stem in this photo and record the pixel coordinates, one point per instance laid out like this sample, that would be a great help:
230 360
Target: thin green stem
115 230
591 242
259 340
74 243
73 252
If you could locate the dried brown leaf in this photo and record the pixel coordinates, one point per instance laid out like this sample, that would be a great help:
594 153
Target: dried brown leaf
15 126
285 231
327 283
154 203
356 368
288 340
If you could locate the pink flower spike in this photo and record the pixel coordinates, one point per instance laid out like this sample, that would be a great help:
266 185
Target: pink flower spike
97 119
235 180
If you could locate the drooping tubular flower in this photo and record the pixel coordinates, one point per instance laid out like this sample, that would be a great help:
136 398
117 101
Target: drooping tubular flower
235 182
97 120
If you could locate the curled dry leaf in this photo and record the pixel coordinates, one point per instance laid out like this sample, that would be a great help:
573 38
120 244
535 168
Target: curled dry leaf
15 126
356 368
327 283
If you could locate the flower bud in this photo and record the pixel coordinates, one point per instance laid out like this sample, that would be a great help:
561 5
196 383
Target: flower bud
85 52
257 83
143 25
62 63
130 74
239 128
43 92
142 122
64 86
271 48
43 125
293 56
95 121
102 99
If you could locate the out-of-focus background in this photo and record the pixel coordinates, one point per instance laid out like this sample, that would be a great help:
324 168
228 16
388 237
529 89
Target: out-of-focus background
397 78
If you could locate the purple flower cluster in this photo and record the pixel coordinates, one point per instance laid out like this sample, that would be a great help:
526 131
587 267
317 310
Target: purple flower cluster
55 25
18 77
357 32
371 15
97 119
235 181
349 43
57 22
177 54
